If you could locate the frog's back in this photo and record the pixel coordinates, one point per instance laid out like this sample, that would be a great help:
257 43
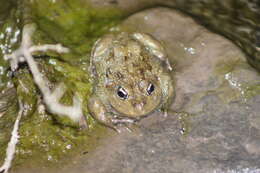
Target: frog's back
122 54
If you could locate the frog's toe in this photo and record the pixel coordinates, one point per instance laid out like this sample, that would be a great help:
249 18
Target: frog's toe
117 129
122 128
168 65
129 129
124 120
165 114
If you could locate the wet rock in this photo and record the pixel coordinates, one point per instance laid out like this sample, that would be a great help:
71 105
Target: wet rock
214 84
237 20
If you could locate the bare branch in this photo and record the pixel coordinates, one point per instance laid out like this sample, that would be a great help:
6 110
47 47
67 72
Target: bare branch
10 151
51 99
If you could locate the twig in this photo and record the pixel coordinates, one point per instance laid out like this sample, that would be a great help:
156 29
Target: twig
51 99
10 151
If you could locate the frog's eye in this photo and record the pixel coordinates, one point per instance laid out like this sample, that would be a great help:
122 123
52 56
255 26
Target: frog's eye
150 89
121 92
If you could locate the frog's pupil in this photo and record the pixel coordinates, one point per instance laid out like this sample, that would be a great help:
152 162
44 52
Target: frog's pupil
122 93
150 89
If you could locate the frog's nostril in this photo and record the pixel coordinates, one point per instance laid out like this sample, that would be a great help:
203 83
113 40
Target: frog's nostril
138 106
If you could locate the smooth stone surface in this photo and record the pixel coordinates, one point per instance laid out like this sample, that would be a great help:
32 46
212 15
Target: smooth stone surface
212 78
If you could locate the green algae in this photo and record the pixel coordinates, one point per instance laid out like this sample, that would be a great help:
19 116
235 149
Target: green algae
44 143
75 24
45 139
252 90
5 8
6 124
26 90
75 80
9 37
232 88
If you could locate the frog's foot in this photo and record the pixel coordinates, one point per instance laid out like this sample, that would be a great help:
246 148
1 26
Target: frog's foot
119 128
168 65
121 123
165 113
124 120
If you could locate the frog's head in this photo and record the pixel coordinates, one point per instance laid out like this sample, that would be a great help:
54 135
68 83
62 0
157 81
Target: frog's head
135 98
131 70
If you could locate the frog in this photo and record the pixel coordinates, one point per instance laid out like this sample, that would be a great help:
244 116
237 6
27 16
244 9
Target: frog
131 74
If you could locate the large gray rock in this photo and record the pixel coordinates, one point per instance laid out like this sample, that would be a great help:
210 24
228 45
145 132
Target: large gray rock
214 84
238 20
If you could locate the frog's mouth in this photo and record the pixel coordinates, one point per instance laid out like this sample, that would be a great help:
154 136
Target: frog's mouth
137 109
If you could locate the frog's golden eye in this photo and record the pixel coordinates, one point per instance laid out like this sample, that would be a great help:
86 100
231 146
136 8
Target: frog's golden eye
150 89
121 92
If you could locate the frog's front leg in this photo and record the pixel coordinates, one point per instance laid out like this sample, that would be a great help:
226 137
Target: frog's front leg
154 47
99 111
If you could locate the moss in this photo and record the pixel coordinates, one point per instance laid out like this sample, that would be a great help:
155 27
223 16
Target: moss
6 125
243 89
228 65
45 143
73 23
45 139
75 79
26 90
252 90
9 38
